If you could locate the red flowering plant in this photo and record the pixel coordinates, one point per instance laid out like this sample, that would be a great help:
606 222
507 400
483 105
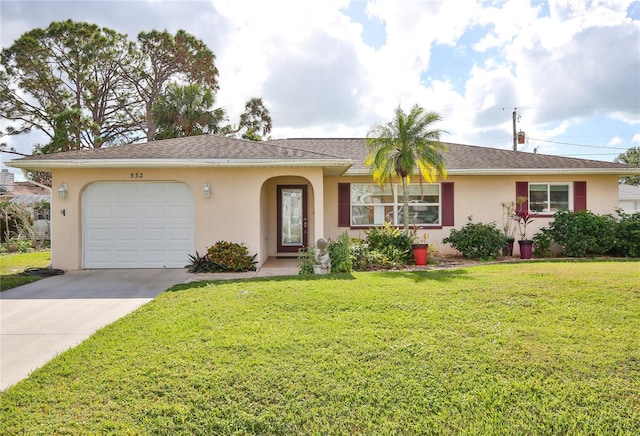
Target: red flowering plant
522 217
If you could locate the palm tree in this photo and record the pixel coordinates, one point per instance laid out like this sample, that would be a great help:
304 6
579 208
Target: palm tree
186 111
400 146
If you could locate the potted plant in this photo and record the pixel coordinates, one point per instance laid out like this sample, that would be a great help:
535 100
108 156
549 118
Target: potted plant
508 225
523 218
420 247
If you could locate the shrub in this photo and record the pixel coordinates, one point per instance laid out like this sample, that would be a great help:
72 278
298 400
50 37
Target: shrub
305 260
340 254
582 233
231 256
627 235
223 256
391 241
477 240
201 264
365 259
542 243
19 245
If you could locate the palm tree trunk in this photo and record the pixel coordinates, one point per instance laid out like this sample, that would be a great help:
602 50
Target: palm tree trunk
405 203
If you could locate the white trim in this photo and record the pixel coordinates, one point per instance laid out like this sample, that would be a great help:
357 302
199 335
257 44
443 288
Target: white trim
396 205
570 195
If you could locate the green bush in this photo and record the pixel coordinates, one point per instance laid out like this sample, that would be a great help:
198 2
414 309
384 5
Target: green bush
392 242
583 233
19 245
222 257
305 260
477 240
365 259
231 256
542 243
385 247
340 254
626 241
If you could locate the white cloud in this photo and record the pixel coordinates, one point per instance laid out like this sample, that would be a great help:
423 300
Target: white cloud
616 140
564 63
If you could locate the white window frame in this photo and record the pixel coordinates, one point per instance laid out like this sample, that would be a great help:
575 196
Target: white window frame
548 210
382 212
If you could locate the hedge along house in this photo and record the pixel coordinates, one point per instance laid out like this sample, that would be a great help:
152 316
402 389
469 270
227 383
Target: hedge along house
150 205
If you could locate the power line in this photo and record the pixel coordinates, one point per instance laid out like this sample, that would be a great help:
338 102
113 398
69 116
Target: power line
578 145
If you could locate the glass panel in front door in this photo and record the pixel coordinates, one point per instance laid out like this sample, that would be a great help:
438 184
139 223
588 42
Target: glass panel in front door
292 217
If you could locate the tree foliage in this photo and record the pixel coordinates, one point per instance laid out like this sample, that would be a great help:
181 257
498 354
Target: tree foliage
84 86
630 157
255 118
71 82
186 111
254 123
171 58
400 146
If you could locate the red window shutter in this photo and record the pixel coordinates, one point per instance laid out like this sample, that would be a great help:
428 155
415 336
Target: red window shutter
579 196
522 190
447 204
344 205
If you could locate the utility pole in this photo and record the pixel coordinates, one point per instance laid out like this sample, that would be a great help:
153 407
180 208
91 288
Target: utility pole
515 146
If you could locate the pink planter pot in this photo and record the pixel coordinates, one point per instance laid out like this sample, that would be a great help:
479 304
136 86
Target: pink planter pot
526 248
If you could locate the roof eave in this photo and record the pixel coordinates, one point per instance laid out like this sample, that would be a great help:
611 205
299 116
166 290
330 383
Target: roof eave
48 164
523 171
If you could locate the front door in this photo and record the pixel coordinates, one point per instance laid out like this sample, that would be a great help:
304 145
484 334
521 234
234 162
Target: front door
292 218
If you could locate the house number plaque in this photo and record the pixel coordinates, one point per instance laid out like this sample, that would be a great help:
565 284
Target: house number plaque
136 175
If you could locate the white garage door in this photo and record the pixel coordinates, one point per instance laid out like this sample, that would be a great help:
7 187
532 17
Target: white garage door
138 225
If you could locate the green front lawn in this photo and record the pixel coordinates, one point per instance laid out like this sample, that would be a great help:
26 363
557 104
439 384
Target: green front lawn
11 265
526 348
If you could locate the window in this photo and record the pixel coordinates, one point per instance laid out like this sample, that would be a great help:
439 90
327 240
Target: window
549 197
373 205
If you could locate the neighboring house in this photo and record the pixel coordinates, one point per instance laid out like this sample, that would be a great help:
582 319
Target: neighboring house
31 195
150 205
629 198
7 185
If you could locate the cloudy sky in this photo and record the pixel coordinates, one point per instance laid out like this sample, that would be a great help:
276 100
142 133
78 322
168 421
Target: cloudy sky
335 68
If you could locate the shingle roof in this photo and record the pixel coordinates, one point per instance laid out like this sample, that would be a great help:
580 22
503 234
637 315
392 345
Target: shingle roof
459 157
192 147
347 152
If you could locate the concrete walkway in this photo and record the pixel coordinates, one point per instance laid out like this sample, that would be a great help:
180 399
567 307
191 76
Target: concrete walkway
271 268
40 320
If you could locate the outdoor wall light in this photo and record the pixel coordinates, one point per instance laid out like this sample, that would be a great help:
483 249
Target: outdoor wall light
206 191
62 191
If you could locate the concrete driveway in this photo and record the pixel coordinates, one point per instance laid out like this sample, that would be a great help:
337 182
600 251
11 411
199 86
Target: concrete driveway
42 319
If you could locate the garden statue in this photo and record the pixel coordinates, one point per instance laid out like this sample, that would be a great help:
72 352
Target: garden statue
322 261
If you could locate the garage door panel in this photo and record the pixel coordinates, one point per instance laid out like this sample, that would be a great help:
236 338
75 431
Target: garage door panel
154 235
97 212
178 235
100 257
126 235
126 212
125 257
153 211
138 225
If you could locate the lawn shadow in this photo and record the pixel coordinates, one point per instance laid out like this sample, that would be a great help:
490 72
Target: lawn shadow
441 275
299 278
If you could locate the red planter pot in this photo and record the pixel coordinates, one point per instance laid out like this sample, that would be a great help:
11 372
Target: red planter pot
421 254
526 248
